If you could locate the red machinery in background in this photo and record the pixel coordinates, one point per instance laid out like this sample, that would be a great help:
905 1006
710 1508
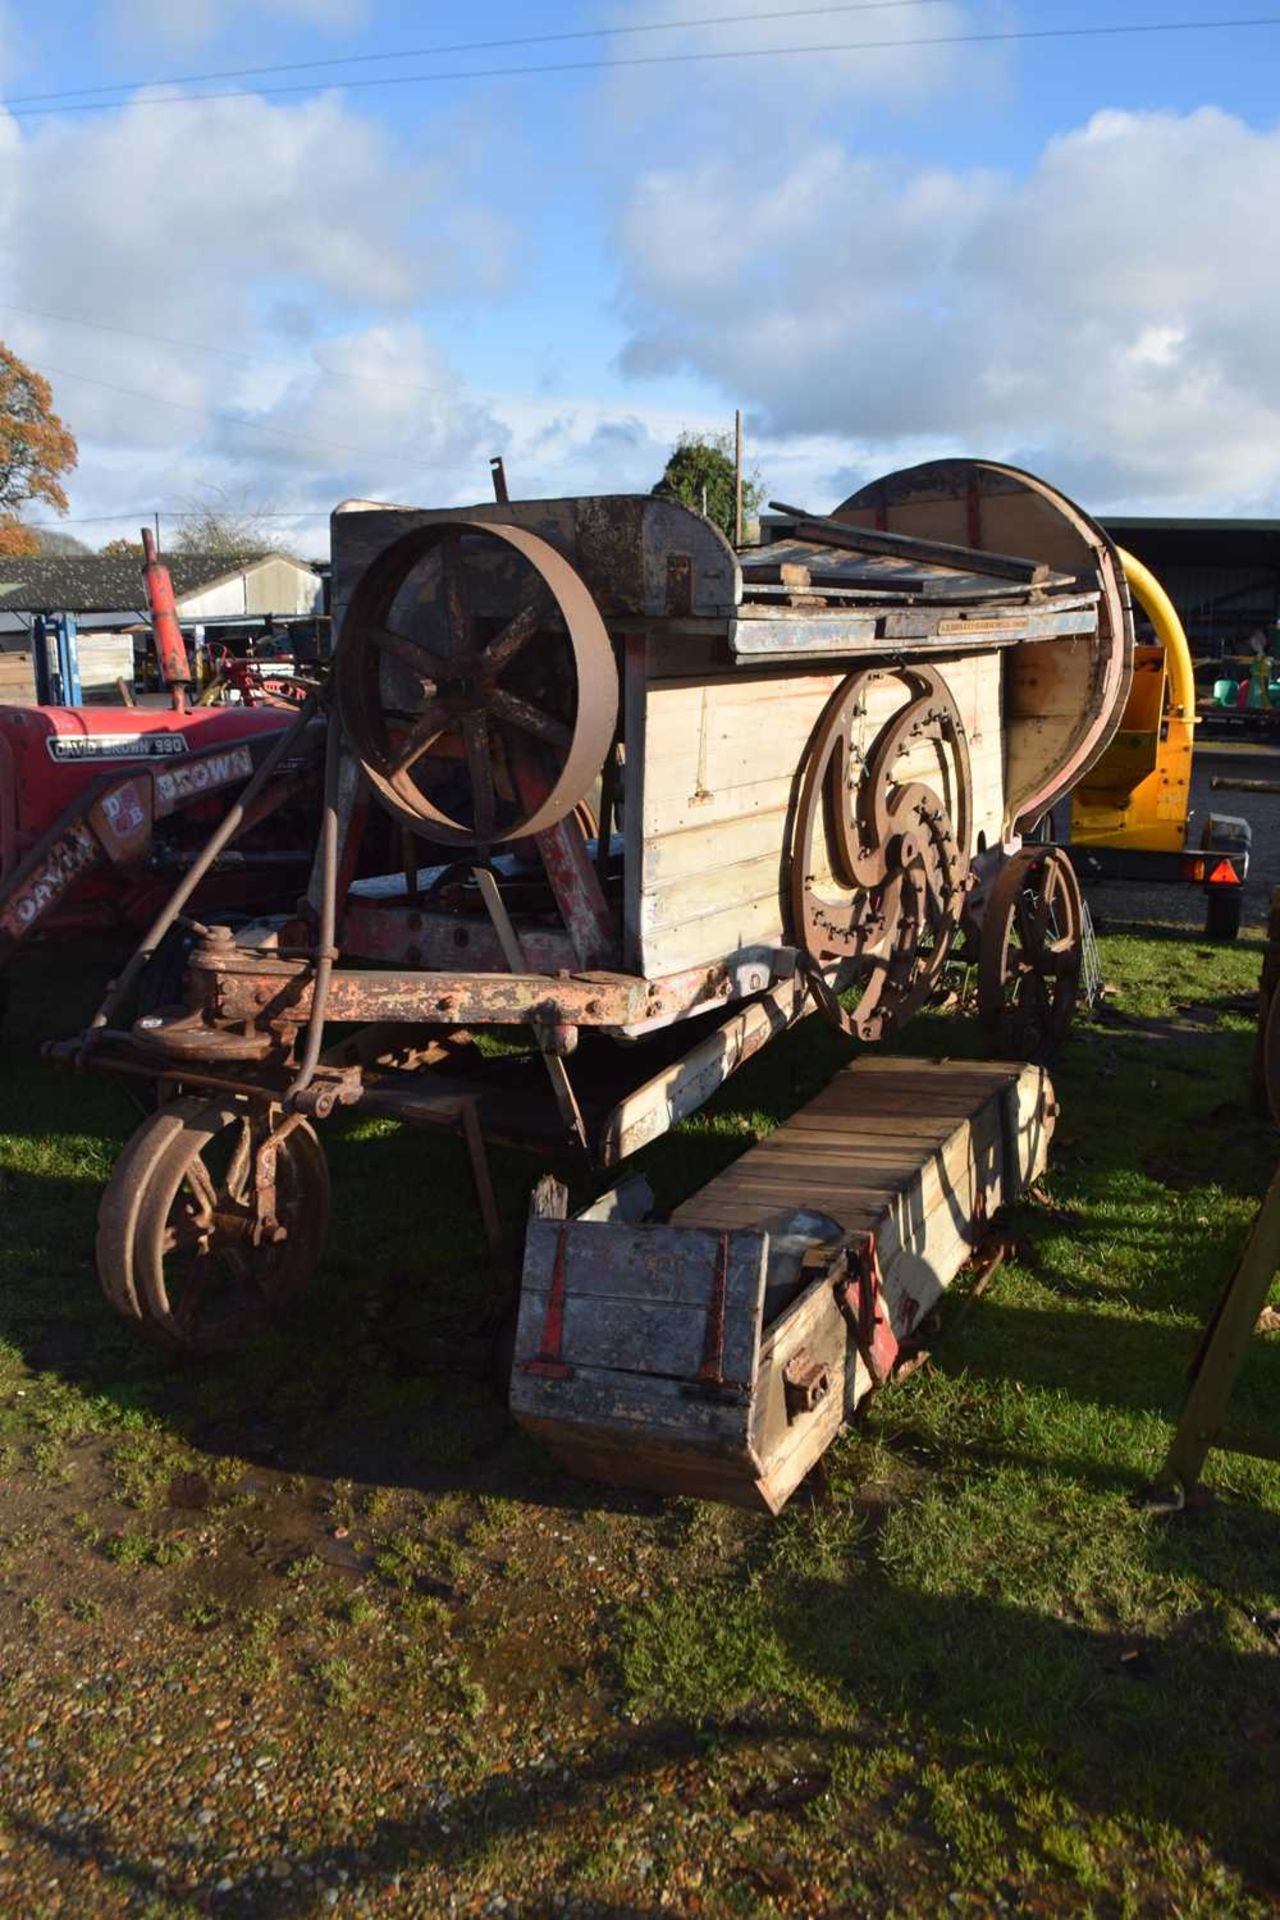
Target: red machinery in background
104 809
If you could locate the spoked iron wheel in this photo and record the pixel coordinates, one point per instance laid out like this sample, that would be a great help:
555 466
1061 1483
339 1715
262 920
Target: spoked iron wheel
1030 954
879 860
476 682
186 1248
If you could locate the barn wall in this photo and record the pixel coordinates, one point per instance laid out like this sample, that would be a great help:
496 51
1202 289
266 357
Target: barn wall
282 586
273 585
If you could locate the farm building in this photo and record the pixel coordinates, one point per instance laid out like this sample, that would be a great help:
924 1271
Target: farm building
104 596
1222 575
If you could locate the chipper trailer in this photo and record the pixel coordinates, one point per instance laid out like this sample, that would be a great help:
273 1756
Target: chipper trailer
656 800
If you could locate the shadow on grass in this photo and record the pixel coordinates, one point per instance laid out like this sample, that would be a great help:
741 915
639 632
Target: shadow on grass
386 1372
1179 1734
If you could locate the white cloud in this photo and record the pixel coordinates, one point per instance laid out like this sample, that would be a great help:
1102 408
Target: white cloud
193 23
754 86
1111 316
269 233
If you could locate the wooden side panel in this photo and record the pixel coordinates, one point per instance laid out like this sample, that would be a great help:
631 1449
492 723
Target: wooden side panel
721 768
639 1299
784 1441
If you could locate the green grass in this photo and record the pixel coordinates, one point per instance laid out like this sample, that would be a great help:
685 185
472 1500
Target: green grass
965 1663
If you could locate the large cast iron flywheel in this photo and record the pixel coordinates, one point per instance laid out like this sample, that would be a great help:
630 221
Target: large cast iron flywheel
880 849
476 682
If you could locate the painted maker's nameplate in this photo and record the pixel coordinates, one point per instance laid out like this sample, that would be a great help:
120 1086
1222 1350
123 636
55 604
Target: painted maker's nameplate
115 746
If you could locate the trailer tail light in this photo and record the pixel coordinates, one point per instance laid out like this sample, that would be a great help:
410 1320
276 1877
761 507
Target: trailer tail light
1193 869
1224 875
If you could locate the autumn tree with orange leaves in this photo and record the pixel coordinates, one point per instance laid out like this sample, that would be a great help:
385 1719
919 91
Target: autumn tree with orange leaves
35 448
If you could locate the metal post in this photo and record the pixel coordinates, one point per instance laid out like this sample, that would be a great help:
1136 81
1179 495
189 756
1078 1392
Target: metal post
1267 985
40 662
1223 1351
68 659
737 476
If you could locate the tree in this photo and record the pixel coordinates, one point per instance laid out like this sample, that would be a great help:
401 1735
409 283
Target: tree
700 474
35 447
221 522
50 542
122 549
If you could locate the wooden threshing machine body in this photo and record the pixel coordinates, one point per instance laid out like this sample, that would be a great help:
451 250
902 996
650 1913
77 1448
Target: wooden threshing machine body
641 788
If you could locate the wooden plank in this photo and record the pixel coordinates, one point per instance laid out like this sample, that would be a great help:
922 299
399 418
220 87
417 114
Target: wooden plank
960 1127
637 1298
682 1087
635 714
785 1443
610 1403
910 546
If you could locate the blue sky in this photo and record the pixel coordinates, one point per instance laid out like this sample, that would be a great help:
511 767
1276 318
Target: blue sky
1058 250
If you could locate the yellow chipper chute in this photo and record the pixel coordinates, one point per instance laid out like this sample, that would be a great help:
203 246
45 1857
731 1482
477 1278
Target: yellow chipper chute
1130 816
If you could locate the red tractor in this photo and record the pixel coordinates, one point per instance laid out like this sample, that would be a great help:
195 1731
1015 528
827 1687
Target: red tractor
104 809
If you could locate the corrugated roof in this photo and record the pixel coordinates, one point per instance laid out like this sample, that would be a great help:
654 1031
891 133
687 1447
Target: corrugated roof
109 583
1175 523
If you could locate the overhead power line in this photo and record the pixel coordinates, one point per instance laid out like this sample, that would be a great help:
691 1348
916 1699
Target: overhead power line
175 513
554 404
475 46
243 359
706 56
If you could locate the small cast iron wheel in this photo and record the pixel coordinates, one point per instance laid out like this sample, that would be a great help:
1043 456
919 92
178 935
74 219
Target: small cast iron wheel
179 1248
1030 953
880 851
479 714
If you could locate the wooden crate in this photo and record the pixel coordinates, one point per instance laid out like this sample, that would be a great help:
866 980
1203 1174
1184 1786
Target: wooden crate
702 1357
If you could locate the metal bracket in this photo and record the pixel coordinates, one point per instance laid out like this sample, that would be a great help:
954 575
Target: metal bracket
806 1383
549 1360
862 1297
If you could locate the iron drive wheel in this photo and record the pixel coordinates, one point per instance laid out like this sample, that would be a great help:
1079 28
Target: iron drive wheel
1030 954
476 682
178 1248
880 844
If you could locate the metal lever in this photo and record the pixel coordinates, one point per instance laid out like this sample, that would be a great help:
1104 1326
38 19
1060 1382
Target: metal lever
513 953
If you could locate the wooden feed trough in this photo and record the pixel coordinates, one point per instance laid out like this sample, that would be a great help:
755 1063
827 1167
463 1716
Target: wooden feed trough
718 1355
650 800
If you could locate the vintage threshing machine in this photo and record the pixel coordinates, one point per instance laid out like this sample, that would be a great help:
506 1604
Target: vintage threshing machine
656 799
